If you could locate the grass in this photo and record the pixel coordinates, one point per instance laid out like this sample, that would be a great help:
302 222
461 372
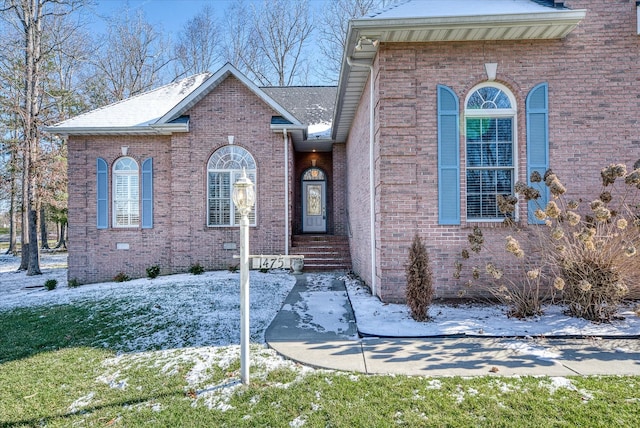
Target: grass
63 365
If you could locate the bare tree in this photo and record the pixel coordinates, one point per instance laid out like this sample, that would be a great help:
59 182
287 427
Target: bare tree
197 49
10 96
129 61
334 23
268 42
28 18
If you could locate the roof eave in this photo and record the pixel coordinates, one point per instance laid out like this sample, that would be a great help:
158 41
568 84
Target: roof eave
165 129
555 17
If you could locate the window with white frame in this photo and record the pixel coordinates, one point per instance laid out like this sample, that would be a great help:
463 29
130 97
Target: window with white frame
126 193
223 170
490 118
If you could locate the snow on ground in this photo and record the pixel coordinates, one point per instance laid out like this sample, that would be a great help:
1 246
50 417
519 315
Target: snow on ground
166 312
203 310
393 320
168 322
194 321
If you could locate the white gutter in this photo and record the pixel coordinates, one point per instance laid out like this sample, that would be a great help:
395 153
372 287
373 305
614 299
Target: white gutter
372 202
285 137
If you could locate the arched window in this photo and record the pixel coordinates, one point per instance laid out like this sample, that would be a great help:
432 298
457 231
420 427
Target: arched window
313 174
126 193
490 113
224 168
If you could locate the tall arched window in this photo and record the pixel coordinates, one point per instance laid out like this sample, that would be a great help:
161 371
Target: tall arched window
224 168
490 118
126 193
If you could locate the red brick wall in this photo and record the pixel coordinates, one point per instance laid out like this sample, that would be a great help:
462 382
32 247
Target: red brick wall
92 252
180 236
358 202
339 190
594 96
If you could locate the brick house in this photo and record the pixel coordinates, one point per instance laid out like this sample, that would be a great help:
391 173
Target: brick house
440 107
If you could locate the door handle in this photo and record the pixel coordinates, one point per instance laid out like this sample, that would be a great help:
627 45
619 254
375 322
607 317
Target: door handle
324 213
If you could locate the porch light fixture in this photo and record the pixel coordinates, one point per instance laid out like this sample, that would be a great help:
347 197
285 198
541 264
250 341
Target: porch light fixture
244 198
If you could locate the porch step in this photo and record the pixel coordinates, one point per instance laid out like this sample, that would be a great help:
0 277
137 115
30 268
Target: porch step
322 252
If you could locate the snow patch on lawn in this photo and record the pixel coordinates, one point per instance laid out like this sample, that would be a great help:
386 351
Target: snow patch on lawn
553 384
81 402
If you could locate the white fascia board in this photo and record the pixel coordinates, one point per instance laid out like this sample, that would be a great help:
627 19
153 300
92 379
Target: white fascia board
560 17
298 132
211 83
291 127
132 130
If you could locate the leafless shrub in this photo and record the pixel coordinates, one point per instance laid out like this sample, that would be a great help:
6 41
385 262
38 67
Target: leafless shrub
586 252
419 280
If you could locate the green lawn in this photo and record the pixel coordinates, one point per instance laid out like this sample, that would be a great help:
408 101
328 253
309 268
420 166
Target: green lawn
59 368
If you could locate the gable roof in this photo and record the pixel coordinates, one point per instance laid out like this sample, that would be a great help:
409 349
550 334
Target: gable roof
440 21
160 111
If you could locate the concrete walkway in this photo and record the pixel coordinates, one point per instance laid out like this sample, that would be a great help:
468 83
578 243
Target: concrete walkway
316 326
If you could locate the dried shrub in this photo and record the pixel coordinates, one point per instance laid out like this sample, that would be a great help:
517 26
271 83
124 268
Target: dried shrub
587 252
121 277
595 255
419 280
521 289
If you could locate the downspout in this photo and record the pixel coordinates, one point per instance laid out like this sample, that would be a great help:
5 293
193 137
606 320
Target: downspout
372 202
286 191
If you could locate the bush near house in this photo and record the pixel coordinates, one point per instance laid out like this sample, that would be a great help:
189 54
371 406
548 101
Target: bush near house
153 271
196 269
419 280
585 252
121 277
51 284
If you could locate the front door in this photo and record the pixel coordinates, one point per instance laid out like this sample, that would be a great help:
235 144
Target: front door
314 203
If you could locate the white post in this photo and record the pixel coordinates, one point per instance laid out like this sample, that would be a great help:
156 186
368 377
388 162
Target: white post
244 299
243 198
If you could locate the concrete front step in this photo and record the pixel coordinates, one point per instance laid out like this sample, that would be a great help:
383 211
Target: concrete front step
323 252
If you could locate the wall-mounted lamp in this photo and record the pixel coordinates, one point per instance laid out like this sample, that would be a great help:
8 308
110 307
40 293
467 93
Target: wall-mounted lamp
125 150
231 139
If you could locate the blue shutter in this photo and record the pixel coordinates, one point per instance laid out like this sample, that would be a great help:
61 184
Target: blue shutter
147 193
538 144
102 191
448 157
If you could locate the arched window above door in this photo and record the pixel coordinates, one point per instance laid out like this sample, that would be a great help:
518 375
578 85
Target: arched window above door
314 174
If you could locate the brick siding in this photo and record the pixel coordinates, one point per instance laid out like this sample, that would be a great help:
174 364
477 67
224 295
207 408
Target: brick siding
180 236
594 97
